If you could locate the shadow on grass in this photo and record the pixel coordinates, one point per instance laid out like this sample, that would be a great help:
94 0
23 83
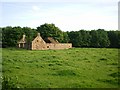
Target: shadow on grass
65 73
115 75
7 84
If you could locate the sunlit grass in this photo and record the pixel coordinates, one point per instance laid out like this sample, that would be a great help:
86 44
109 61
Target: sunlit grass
72 68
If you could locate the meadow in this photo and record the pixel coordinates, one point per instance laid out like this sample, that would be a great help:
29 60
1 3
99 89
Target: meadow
71 68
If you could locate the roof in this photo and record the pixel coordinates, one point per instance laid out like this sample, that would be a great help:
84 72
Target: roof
50 40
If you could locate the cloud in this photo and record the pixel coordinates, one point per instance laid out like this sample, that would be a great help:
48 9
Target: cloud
35 8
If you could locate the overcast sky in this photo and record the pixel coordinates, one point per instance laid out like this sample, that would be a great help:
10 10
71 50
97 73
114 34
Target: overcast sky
68 15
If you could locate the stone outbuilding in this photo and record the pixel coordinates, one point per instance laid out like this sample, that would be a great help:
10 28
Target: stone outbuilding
39 44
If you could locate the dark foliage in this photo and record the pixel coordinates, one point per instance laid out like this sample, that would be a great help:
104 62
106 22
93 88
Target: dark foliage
82 38
11 35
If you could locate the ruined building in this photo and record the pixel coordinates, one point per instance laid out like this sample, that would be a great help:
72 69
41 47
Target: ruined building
39 44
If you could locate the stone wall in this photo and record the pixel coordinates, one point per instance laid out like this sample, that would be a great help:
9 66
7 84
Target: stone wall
47 46
59 46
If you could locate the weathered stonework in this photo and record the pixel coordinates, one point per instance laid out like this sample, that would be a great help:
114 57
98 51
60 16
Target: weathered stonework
39 44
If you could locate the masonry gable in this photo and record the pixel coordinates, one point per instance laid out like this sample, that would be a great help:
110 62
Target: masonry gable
38 43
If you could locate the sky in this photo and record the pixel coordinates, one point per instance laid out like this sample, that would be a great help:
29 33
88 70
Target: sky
68 15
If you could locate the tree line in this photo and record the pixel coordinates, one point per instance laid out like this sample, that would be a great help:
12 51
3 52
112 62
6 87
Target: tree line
83 38
95 38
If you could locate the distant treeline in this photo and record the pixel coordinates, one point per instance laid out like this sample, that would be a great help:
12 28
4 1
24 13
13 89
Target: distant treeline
83 38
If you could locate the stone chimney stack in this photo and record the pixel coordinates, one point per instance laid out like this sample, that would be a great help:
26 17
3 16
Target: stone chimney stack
23 37
38 34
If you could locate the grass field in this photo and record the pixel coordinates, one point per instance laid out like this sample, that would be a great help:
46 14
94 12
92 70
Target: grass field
72 68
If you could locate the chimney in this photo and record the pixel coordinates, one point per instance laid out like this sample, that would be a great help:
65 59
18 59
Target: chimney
38 34
23 36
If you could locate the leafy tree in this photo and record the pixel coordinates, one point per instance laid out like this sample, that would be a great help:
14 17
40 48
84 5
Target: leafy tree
80 38
94 38
75 38
19 31
85 38
50 30
118 39
9 37
114 37
99 38
65 37
30 33
103 38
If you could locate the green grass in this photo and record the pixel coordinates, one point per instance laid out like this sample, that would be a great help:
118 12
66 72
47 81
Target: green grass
72 68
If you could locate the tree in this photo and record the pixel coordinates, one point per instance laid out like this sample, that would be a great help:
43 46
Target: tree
114 37
118 39
75 38
65 37
30 33
50 30
99 38
82 38
10 36
85 38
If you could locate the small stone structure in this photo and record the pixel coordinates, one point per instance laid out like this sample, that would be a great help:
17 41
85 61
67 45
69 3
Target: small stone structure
22 42
39 44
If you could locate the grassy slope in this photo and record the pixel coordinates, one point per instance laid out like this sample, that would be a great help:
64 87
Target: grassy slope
72 68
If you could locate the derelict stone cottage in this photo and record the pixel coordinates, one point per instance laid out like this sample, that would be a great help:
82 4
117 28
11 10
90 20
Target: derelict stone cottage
39 44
